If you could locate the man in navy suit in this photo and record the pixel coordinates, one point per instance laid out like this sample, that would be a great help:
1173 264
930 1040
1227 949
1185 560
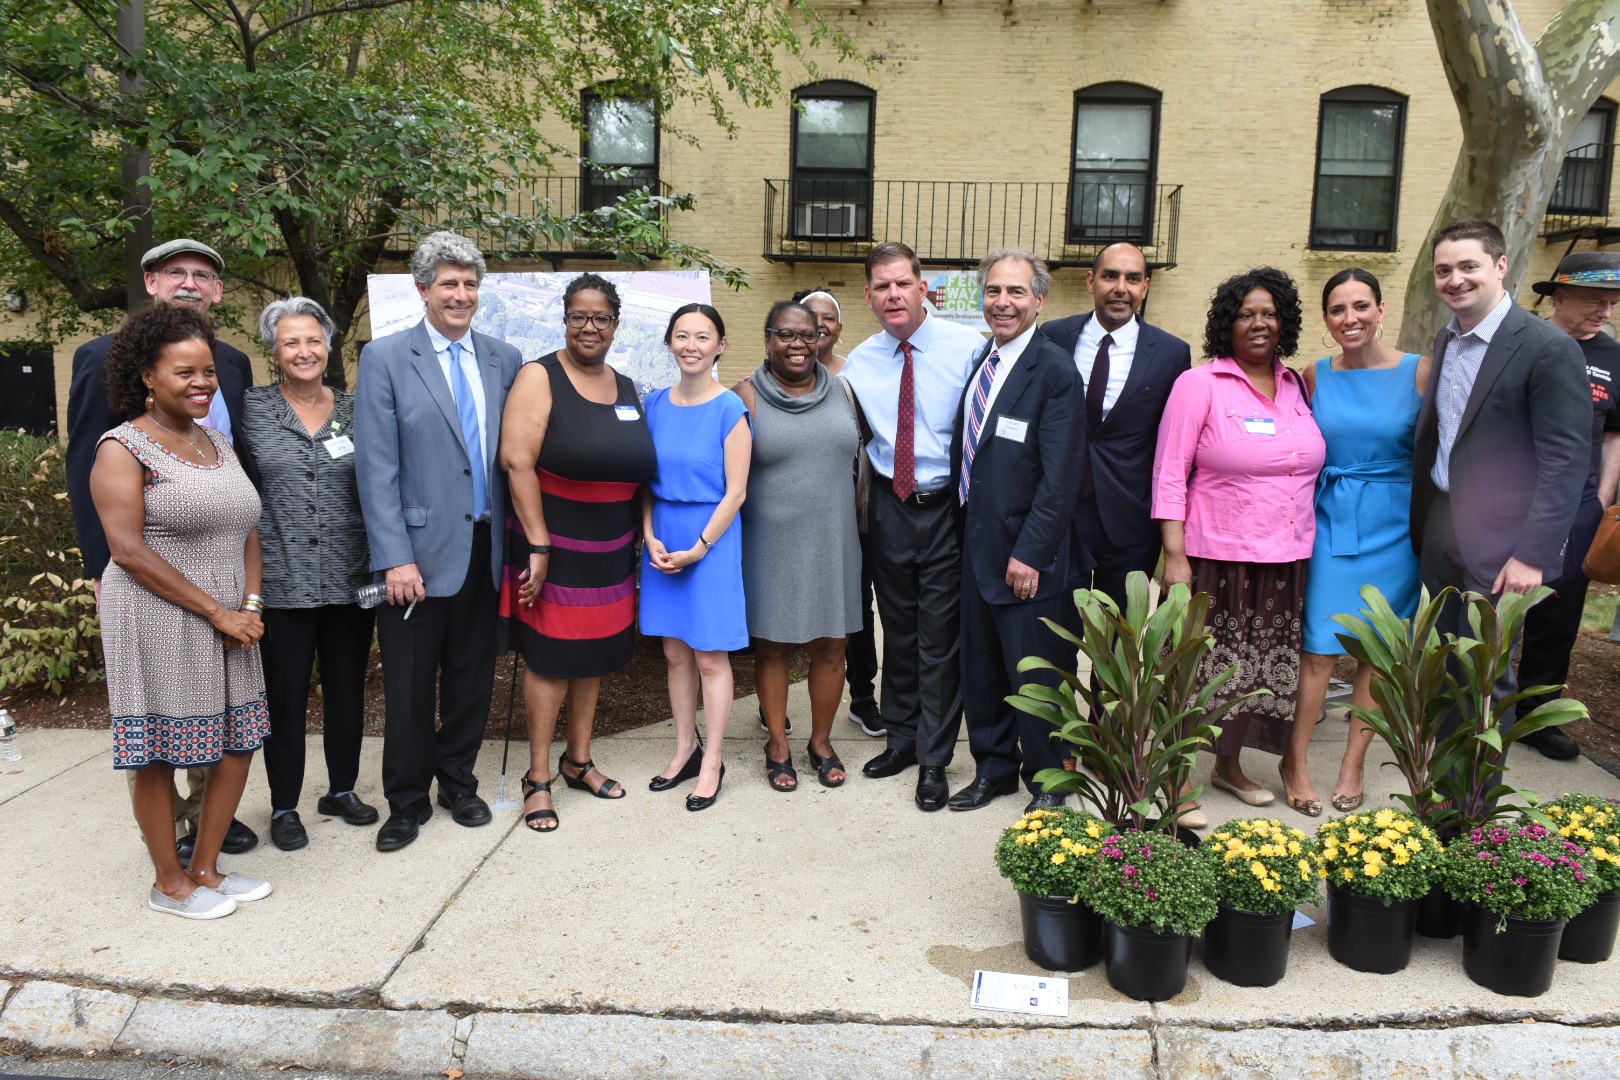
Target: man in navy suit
427 420
1022 429
1128 368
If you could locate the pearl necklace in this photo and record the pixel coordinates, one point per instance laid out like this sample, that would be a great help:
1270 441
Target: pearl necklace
190 440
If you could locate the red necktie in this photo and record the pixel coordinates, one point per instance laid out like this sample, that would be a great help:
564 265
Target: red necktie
905 435
1095 392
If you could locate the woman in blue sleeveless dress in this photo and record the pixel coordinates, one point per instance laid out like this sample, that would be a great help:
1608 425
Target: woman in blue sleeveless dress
1365 401
691 569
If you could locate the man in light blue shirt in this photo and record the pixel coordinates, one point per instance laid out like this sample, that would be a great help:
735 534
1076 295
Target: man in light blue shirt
909 378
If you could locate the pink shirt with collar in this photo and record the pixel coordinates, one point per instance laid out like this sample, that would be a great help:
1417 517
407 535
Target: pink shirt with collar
1245 495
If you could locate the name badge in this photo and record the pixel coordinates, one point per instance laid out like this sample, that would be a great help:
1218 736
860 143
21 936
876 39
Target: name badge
339 446
1008 428
1259 425
626 412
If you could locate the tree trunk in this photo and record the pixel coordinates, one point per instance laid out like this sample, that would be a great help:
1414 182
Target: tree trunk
1519 103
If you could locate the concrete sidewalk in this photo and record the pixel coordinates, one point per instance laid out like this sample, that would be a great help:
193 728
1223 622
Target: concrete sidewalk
791 935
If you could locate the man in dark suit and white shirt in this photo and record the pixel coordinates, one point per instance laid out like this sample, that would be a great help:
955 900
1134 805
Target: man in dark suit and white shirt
427 420
1128 367
1502 443
1022 430
186 272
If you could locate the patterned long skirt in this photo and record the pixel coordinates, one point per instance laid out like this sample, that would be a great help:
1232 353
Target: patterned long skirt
1255 616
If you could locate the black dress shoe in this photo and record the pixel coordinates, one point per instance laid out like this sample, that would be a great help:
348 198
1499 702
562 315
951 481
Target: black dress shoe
468 810
238 839
287 832
980 793
1553 743
400 829
889 763
185 847
932 790
1047 800
348 807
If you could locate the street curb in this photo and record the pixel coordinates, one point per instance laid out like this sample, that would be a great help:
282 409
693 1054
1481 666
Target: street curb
53 1017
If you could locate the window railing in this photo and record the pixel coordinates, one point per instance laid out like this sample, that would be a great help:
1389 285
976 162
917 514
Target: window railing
956 222
1579 206
564 197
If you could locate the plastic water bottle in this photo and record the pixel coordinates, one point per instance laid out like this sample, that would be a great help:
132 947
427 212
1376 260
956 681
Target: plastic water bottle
10 748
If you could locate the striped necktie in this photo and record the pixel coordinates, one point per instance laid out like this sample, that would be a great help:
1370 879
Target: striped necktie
976 412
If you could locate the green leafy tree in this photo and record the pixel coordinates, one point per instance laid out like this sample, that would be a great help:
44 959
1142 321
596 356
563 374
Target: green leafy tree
310 139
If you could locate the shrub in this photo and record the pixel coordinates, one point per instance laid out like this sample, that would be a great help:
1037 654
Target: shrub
1525 869
1262 865
1386 854
1593 823
1154 881
1048 852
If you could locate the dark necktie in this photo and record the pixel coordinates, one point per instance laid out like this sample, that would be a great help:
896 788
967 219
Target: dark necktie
905 434
1096 391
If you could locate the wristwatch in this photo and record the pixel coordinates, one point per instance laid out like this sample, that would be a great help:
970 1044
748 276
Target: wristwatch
539 549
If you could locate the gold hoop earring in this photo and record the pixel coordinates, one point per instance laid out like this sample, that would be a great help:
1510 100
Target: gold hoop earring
1328 342
1378 331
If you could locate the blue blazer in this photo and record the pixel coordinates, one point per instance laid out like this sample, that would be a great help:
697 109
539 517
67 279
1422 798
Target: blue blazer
411 464
1023 491
1122 449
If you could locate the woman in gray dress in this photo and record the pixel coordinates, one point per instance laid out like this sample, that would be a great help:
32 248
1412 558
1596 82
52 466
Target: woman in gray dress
801 552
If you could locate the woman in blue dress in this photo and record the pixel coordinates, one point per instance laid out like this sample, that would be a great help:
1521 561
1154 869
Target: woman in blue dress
1365 401
691 570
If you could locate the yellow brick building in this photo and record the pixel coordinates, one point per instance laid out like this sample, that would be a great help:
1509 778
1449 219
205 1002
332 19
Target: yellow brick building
971 111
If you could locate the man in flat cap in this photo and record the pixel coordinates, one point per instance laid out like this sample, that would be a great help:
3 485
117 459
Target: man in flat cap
187 272
1584 290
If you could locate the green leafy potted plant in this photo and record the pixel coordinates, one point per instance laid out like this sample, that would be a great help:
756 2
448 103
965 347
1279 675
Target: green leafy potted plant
1146 709
1154 897
1047 856
1263 871
1377 864
1521 882
1593 823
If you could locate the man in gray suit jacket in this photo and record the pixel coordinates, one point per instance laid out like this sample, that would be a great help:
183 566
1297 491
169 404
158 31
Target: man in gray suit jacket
1502 444
427 423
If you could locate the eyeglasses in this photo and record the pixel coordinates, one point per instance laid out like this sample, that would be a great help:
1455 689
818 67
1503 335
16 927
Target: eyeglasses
578 319
176 275
809 337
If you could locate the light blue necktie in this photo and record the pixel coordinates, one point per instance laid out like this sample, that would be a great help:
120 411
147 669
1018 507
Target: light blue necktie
467 409
977 409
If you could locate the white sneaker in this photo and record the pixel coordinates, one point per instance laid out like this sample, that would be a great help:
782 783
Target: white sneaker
203 903
240 887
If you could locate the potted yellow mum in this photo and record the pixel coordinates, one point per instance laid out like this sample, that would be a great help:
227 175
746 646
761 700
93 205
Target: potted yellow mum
1263 871
1378 864
1047 855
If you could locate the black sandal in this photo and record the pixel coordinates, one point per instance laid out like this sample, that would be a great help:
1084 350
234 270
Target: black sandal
825 765
601 791
775 769
529 788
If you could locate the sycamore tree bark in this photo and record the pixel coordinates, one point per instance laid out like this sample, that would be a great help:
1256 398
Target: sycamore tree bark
1519 102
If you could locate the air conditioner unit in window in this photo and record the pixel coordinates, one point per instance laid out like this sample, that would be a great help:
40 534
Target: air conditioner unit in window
826 219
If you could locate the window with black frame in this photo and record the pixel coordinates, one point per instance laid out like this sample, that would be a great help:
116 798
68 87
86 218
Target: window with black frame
832 162
1583 181
621 133
1358 169
1116 145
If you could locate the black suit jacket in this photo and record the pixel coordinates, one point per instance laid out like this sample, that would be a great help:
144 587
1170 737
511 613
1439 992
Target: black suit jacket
89 417
1021 502
1121 450
1522 453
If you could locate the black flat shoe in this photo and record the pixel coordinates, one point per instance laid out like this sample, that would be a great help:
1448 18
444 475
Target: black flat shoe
1047 800
981 792
287 832
348 807
607 789
689 771
401 829
889 763
467 809
533 817
695 803
239 839
931 788
824 766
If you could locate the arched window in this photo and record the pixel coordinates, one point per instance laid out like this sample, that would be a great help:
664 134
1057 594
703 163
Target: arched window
1358 169
1116 149
621 132
832 161
1583 181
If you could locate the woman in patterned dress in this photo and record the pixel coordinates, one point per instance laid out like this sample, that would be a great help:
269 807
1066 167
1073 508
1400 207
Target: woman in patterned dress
180 610
576 450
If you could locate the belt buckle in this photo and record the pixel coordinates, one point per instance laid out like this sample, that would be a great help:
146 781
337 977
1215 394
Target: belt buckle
927 498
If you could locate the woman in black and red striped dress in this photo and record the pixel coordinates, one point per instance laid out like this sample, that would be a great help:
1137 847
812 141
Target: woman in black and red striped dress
576 449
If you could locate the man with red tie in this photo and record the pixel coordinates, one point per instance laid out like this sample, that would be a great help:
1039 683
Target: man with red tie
909 378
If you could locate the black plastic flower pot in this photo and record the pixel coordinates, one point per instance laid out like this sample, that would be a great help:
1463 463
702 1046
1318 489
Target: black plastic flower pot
1438 915
1366 934
1589 937
1519 961
1144 965
1248 949
1058 935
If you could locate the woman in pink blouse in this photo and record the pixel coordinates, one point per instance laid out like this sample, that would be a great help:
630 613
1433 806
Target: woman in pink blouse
1233 481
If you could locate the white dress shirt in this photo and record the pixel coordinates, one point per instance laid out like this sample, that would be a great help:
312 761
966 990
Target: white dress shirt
1458 372
1010 353
469 367
1120 356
